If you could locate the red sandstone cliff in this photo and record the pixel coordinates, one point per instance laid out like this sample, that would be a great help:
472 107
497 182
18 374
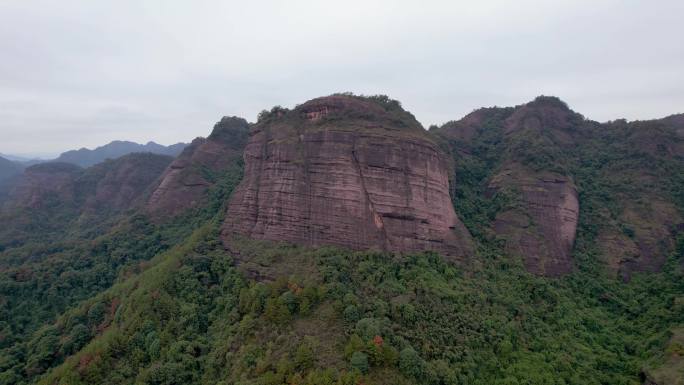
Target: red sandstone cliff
349 172
119 184
541 227
185 182
539 224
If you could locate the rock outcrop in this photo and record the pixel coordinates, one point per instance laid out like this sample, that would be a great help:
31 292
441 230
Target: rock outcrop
185 182
348 171
541 227
119 184
111 186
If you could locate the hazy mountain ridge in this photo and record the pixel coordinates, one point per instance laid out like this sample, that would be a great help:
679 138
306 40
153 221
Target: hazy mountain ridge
86 157
9 169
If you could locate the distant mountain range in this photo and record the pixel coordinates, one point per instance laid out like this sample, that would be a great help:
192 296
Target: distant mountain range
11 165
85 157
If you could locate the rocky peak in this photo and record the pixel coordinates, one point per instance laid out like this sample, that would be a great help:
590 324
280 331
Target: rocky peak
230 130
184 183
348 171
466 129
545 113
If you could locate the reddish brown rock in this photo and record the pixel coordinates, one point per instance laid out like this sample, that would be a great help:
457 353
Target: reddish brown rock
541 227
350 172
118 184
185 182
642 239
113 185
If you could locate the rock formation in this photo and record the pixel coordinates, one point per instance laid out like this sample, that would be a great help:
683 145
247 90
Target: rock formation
539 221
114 185
346 171
118 184
541 228
185 182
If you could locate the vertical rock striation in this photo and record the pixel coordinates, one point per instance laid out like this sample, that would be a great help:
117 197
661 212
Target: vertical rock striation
346 171
541 228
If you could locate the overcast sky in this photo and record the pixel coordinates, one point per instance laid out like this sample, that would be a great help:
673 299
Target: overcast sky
82 73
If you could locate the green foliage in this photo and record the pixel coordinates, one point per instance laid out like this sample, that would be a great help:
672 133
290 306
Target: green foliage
410 363
359 361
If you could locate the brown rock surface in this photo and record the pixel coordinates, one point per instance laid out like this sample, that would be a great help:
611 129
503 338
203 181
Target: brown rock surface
643 240
349 172
541 228
113 185
185 182
118 184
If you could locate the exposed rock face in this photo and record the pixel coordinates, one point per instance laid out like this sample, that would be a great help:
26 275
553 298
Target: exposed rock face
540 221
117 185
44 184
542 228
644 239
349 172
113 185
185 182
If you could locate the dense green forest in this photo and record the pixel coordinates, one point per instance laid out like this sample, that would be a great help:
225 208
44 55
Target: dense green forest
138 301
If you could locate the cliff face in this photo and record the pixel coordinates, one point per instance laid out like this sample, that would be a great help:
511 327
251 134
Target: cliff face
350 172
539 155
185 182
542 227
113 185
118 184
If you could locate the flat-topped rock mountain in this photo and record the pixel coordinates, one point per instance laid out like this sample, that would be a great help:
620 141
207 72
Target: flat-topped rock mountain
347 171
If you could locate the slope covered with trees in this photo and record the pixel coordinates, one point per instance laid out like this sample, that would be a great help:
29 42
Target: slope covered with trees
152 301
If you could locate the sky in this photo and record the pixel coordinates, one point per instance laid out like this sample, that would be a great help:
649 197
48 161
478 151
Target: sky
82 73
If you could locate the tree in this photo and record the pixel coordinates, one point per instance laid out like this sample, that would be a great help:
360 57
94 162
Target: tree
359 361
409 362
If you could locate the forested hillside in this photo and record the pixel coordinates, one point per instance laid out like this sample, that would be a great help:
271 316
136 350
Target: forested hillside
148 298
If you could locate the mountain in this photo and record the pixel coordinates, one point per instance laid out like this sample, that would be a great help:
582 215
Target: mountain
547 170
187 179
320 175
339 242
54 198
9 169
86 157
